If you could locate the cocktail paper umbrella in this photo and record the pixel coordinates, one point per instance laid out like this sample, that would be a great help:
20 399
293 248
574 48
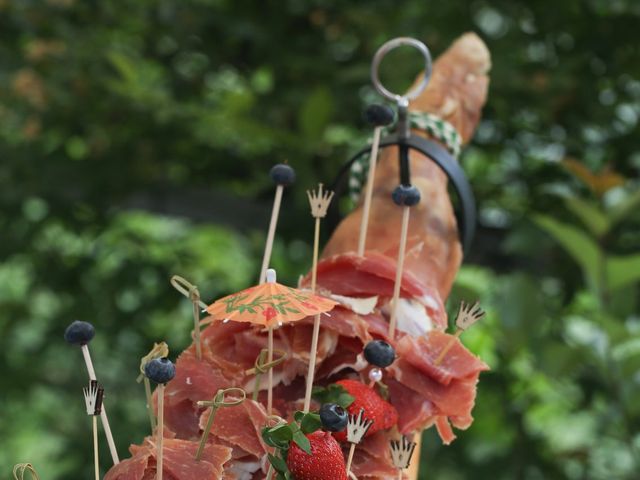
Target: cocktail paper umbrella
81 333
357 427
219 401
20 469
283 176
192 293
467 316
406 196
319 203
161 371
379 116
401 453
270 304
93 402
159 350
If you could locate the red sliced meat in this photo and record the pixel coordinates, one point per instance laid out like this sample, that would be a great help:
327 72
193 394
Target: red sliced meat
354 276
422 352
239 426
444 430
179 461
414 411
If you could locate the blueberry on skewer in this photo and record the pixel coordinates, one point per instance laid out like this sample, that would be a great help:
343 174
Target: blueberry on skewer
379 353
333 417
79 333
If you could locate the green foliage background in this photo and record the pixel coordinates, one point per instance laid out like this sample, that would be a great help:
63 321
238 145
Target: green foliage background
135 137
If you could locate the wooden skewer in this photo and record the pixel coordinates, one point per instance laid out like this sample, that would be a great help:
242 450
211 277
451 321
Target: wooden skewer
352 450
190 291
160 432
368 193
271 233
95 446
103 413
270 374
399 268
319 205
467 315
217 402
147 393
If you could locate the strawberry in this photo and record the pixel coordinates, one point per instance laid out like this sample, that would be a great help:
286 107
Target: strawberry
326 461
383 414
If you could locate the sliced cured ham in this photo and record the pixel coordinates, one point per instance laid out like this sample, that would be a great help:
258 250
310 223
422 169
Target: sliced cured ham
179 461
422 353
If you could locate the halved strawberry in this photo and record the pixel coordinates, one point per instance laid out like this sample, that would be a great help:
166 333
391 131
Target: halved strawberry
383 414
325 462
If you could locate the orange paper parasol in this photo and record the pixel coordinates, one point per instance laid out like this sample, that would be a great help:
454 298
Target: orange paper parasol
270 304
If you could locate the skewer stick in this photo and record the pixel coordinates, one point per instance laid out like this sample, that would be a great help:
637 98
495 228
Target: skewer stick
103 413
190 291
399 268
271 232
147 393
319 203
95 446
270 374
93 402
352 450
467 316
357 428
368 193
218 401
415 466
159 350
160 432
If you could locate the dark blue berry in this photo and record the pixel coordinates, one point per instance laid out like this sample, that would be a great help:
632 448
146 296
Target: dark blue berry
333 417
379 353
160 370
79 333
283 174
406 195
379 115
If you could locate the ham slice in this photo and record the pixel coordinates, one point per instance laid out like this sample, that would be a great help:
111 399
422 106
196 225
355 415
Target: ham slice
179 461
422 352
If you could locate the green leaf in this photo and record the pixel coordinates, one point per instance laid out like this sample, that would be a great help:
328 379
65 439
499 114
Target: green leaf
316 112
577 244
298 415
333 394
590 215
621 210
622 271
279 436
310 423
302 441
278 463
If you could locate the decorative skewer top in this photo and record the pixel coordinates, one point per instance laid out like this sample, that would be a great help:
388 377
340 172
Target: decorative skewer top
20 469
468 315
401 452
93 395
160 370
271 275
379 115
319 201
406 195
159 350
282 174
357 427
79 333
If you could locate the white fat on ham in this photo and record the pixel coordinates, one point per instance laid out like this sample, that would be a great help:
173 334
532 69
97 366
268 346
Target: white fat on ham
358 366
241 470
412 317
361 306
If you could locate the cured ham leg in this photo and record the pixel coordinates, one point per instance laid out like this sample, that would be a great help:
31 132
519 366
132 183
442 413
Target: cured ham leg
426 393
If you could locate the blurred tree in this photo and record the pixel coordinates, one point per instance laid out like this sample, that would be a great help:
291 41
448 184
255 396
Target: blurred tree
128 129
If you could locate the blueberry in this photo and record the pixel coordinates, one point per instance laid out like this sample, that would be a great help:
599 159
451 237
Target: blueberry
160 370
333 417
379 115
406 195
79 333
283 174
379 353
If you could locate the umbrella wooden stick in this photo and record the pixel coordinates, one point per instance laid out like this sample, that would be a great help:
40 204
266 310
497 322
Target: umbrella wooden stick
319 203
103 413
399 268
270 374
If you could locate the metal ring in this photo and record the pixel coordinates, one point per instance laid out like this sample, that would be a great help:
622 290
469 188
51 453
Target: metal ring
377 60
